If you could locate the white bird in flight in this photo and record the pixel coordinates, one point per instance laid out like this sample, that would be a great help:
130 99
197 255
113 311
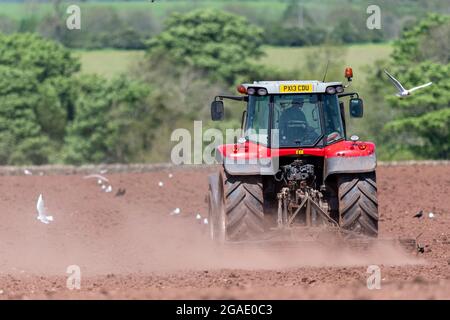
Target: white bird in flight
42 211
402 92
98 177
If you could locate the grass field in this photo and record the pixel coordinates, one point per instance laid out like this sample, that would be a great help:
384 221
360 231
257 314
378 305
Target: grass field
110 62
107 62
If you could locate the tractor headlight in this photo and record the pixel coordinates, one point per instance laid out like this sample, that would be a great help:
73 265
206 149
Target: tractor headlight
262 91
330 90
251 91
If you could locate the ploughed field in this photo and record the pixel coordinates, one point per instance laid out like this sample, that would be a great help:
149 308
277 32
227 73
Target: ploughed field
137 245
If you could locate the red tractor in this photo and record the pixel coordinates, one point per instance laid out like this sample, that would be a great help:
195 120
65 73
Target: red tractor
293 165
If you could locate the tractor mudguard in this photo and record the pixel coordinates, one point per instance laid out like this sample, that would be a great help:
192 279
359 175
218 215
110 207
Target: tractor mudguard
349 165
244 167
341 157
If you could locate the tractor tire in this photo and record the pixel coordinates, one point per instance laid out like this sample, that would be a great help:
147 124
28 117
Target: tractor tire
236 213
358 204
216 208
244 207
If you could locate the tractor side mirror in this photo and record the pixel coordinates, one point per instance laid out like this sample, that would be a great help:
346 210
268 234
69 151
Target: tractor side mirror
217 110
356 108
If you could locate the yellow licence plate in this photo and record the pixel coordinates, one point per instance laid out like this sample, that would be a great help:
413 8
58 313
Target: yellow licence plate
288 88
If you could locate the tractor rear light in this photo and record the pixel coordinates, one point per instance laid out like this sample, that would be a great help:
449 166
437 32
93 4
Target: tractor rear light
339 89
331 90
262 91
241 89
251 91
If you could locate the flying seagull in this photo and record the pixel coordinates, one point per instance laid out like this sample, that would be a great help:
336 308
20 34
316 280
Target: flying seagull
402 92
96 176
42 211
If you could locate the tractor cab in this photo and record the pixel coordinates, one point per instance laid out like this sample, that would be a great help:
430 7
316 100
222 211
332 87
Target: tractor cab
293 114
297 120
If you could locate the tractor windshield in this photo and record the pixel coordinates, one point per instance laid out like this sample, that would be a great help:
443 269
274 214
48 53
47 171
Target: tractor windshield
296 120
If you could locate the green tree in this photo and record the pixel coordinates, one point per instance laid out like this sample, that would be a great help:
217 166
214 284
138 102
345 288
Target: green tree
422 120
223 45
22 141
36 90
44 58
106 118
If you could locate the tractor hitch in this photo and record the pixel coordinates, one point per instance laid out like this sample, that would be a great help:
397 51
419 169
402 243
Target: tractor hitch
309 201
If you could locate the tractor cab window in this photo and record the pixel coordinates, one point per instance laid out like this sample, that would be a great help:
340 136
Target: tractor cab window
257 124
334 129
296 120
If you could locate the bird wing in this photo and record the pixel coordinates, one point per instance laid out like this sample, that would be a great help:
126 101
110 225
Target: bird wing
396 83
40 206
43 220
422 86
96 176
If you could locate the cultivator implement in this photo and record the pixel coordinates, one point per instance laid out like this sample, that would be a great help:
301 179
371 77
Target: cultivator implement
331 237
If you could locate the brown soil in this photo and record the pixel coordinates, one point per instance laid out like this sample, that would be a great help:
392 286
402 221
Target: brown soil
132 247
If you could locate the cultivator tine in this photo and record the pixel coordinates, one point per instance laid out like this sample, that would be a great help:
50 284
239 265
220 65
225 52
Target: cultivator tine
297 211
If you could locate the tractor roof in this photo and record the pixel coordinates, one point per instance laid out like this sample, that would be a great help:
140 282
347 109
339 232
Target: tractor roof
293 86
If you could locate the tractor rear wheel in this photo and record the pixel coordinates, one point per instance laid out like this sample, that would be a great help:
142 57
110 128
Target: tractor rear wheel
216 208
236 213
358 204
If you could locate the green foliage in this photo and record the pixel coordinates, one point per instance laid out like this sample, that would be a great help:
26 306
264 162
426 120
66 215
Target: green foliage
426 116
178 97
108 28
35 88
409 48
49 115
22 141
295 28
279 35
220 44
105 120
421 121
30 52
